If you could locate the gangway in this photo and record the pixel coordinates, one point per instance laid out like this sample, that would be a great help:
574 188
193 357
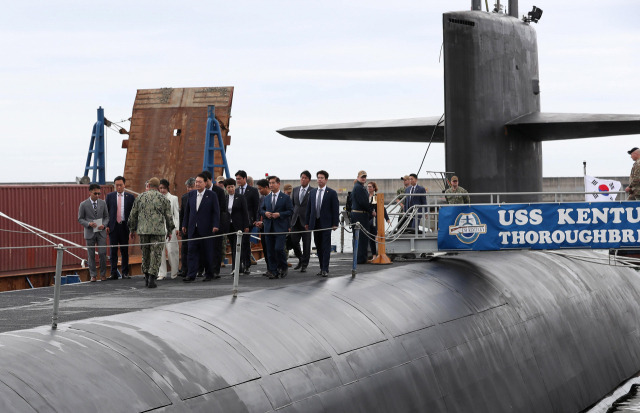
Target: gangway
403 238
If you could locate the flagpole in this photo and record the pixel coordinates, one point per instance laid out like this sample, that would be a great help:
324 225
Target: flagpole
584 172
584 168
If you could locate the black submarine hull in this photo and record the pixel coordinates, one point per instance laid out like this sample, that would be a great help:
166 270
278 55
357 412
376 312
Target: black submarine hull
521 331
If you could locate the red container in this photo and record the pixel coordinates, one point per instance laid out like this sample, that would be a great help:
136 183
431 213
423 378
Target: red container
52 208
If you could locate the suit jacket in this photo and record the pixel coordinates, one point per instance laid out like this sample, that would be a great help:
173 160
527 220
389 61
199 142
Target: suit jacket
86 215
415 200
252 196
112 206
300 208
239 217
183 205
204 218
329 210
283 206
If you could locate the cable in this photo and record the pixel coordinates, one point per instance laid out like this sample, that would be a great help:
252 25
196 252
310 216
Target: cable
430 140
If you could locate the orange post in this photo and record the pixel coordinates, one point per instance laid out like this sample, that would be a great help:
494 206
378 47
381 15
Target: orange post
382 257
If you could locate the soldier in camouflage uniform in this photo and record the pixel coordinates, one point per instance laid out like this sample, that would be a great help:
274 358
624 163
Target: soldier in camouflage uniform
634 178
151 218
455 189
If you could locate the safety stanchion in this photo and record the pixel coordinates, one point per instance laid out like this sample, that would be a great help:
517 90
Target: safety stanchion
236 263
381 257
56 289
356 239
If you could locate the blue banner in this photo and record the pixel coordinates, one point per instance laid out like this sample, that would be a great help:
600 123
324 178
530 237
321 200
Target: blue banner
539 226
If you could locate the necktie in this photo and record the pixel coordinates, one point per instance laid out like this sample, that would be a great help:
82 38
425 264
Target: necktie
198 200
95 208
318 202
119 215
242 190
301 194
273 202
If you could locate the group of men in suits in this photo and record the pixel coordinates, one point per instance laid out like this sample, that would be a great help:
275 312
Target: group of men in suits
101 218
308 209
209 210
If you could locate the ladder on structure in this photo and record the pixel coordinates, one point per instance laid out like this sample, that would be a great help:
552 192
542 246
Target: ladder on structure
214 134
96 148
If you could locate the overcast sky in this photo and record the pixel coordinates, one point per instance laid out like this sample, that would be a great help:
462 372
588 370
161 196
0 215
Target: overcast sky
292 63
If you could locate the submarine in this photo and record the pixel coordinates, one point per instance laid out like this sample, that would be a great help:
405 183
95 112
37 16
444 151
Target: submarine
508 331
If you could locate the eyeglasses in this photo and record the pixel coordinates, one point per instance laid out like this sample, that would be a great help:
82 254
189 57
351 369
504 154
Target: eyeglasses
96 193
363 176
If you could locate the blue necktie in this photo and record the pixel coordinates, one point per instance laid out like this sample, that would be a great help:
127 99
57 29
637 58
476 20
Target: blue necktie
318 203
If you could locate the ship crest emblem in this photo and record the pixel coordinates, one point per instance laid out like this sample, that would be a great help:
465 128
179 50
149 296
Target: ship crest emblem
467 228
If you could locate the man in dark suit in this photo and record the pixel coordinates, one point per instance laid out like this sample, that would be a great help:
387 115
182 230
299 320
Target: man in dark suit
119 204
323 212
252 197
263 189
190 184
201 219
276 211
300 199
238 217
217 241
94 217
413 200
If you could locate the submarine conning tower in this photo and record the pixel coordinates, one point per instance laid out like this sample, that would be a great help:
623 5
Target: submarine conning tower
491 77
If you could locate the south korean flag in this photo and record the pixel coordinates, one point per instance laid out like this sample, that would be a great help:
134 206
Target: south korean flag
603 187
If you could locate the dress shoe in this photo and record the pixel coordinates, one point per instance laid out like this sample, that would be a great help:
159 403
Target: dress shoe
284 273
181 272
325 274
126 277
319 274
270 275
113 277
247 272
206 279
152 281
188 280
200 274
216 276
303 269
93 279
160 278
273 276
297 267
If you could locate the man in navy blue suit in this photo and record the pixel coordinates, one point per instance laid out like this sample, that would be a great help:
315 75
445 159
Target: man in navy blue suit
323 212
414 188
119 204
276 211
201 219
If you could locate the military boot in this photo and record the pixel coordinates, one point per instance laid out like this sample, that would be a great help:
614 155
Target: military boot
146 279
152 281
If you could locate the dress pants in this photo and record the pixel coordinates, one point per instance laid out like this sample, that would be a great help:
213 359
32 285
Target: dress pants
304 254
233 239
171 249
363 241
275 251
200 252
184 254
119 236
101 243
322 239
372 242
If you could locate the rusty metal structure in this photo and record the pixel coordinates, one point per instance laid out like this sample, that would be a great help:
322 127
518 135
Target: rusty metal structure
168 131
